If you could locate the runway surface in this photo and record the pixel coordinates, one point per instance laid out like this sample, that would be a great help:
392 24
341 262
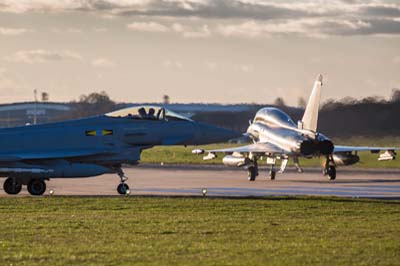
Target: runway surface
232 182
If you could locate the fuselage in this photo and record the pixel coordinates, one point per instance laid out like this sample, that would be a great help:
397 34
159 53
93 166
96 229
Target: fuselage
97 145
274 126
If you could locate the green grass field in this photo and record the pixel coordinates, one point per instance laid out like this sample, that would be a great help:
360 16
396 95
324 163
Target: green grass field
198 231
182 155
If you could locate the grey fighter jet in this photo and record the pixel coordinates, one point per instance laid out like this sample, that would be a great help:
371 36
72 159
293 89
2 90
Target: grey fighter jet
93 146
276 137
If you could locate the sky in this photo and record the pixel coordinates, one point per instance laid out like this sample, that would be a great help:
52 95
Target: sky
227 51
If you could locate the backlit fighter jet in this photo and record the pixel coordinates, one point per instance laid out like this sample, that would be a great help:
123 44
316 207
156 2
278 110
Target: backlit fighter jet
276 137
29 155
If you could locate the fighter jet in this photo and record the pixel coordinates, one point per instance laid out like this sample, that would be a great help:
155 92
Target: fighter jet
276 137
93 146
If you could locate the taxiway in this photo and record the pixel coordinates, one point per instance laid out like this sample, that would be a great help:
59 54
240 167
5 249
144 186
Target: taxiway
230 182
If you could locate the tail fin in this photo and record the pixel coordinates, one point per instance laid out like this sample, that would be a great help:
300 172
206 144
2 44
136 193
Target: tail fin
310 117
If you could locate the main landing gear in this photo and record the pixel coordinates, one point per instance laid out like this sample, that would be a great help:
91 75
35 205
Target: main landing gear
330 168
122 188
252 170
271 161
36 187
13 186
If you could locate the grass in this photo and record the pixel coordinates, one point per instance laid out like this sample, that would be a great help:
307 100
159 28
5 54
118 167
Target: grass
198 231
182 155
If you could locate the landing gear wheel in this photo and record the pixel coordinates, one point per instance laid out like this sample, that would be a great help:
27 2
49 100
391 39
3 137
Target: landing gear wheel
11 186
272 174
251 173
122 188
36 187
331 173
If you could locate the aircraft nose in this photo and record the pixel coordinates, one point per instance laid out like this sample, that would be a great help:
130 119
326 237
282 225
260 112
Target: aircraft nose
207 134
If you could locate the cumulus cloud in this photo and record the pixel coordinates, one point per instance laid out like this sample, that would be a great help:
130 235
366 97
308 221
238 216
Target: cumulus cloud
244 68
211 65
100 29
204 32
12 31
185 31
172 64
314 27
369 17
41 56
147 27
103 62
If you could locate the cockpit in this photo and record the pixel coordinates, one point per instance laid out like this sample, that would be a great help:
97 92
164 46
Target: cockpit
148 113
274 117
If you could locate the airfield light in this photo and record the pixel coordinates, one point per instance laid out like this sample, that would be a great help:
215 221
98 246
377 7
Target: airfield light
204 192
51 192
128 192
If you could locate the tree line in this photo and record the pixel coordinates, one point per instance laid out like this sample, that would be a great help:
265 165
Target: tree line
371 116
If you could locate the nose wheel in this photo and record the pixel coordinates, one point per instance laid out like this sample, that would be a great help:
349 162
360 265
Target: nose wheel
330 169
331 172
122 188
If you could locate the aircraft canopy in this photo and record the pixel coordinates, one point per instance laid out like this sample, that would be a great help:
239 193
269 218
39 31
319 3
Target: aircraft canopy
274 117
147 113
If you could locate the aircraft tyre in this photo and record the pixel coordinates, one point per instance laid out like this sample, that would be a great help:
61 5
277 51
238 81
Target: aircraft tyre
331 173
122 188
11 186
251 173
36 187
272 174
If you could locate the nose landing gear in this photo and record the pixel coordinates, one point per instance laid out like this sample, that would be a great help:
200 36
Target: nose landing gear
122 188
330 168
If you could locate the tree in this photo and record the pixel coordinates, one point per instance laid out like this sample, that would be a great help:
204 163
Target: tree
395 95
301 103
279 102
94 103
166 99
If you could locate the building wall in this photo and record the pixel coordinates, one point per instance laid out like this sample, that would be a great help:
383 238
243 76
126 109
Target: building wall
18 114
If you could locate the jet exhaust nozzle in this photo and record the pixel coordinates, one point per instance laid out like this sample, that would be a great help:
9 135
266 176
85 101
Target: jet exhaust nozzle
325 147
307 147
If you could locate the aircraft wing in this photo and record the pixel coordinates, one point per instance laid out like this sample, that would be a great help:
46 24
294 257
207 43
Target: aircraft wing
20 156
339 149
255 148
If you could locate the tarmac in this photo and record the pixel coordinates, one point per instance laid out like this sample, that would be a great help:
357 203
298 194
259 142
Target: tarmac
220 181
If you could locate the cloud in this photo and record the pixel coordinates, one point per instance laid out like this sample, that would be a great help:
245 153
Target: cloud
312 27
172 64
12 31
100 29
396 60
41 56
184 31
204 32
103 62
147 27
335 17
210 65
244 68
